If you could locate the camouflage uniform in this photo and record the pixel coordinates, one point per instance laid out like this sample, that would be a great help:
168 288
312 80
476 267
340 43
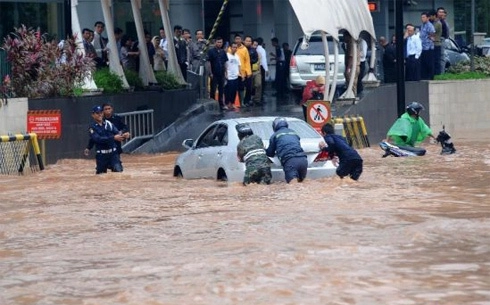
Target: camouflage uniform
257 165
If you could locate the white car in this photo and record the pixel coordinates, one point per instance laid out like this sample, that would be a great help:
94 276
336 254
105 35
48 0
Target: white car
307 64
214 153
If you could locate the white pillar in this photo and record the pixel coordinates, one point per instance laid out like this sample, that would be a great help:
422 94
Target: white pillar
172 66
114 63
88 82
145 71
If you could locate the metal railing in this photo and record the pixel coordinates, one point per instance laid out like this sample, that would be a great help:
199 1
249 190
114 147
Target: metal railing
140 124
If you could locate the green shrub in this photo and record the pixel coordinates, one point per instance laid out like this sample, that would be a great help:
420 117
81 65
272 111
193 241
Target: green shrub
481 64
133 79
110 82
167 80
41 68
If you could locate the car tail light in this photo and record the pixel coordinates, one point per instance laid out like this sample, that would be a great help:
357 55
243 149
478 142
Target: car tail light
322 156
292 62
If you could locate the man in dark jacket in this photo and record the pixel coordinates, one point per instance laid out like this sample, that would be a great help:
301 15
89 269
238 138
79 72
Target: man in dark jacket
286 144
389 60
350 163
181 50
251 151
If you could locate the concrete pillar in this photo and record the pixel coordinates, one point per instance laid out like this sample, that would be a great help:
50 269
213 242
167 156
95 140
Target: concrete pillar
251 11
187 13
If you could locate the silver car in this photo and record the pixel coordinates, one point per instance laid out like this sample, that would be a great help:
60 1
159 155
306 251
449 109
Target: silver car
214 153
307 64
454 54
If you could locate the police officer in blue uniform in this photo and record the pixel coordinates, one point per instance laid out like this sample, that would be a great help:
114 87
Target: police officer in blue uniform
350 162
286 143
104 135
118 122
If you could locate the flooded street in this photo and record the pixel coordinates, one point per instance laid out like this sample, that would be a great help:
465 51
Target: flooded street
411 231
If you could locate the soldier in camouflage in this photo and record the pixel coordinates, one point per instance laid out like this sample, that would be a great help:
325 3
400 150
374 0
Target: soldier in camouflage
251 151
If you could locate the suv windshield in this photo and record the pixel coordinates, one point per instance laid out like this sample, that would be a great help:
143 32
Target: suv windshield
316 47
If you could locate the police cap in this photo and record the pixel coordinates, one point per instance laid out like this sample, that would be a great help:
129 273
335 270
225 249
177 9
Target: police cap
97 109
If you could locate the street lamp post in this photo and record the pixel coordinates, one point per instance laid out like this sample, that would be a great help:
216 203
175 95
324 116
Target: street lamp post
400 58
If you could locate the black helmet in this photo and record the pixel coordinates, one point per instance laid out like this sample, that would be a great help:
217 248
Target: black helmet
414 108
244 130
279 123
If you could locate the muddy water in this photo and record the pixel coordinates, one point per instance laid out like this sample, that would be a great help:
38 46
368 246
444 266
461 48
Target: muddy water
411 231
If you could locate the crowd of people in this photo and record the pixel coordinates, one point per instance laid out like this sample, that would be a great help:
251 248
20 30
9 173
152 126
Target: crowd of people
189 52
423 48
239 68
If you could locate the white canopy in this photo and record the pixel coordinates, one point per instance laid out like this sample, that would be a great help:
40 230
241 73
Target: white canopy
331 16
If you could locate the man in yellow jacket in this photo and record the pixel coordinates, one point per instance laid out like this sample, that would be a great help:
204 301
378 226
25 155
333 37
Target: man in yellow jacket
245 67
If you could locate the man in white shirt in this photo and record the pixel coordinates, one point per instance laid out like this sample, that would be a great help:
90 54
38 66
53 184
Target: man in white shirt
232 75
264 68
364 49
412 56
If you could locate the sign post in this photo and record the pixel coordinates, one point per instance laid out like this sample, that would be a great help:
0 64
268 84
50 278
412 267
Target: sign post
46 124
318 113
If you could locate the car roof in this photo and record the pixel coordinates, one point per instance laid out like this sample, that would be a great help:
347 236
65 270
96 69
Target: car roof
236 121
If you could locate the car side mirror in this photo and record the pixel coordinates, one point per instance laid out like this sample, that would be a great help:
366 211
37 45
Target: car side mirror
188 143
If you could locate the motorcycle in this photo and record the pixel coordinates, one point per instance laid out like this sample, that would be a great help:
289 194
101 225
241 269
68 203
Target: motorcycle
446 143
407 151
401 151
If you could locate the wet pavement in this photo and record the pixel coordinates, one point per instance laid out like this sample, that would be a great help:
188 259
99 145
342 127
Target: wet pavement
411 231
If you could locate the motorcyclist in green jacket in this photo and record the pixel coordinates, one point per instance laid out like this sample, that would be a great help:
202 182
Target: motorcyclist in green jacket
410 129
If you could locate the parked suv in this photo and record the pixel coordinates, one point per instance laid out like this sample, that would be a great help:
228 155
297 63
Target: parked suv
307 64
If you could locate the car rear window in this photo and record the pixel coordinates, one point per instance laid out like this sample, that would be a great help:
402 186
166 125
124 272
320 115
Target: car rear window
264 129
315 48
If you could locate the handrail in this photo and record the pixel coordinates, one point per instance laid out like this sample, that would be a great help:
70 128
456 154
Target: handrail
140 125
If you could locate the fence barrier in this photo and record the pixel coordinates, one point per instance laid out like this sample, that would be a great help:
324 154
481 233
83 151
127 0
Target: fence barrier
18 152
140 124
354 131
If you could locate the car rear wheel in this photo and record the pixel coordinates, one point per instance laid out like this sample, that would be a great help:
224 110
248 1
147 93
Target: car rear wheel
178 172
222 175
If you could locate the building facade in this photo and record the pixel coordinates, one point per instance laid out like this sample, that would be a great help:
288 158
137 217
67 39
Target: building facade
264 18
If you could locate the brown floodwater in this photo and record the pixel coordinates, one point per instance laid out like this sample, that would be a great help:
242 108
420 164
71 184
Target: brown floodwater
411 231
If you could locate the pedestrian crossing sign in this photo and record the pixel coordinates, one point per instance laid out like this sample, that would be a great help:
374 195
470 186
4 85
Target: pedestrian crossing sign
318 114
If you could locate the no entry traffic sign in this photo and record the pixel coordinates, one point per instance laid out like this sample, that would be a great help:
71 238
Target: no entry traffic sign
318 114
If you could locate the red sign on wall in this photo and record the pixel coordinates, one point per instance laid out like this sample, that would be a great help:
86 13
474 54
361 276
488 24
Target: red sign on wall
45 123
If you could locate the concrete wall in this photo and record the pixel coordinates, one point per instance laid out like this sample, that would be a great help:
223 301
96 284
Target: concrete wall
462 106
379 107
76 118
13 116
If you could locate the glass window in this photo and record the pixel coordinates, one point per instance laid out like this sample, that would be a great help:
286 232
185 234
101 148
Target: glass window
206 139
316 47
221 135
48 16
